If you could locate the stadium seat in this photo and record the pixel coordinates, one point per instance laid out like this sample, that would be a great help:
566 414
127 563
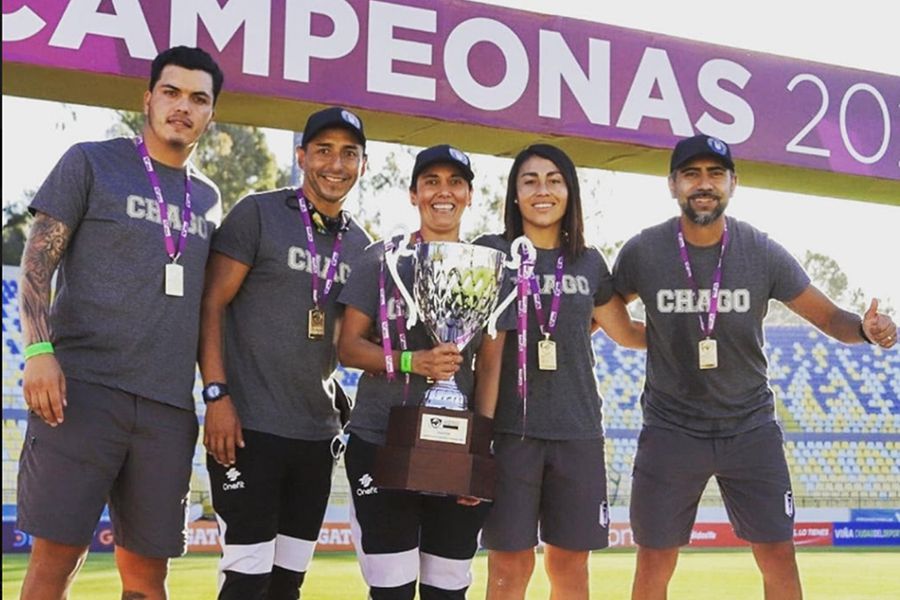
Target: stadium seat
837 404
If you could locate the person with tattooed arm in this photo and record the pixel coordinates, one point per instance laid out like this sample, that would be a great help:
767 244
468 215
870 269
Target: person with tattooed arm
110 364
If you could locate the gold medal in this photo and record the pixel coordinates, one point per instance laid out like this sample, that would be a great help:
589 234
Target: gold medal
709 354
546 354
316 330
174 280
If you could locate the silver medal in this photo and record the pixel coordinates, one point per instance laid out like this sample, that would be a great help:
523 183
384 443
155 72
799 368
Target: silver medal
174 280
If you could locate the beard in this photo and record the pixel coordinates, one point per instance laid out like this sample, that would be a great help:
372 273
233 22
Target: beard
180 139
706 218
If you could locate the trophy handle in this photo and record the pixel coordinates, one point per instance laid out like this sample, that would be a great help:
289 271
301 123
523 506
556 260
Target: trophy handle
513 263
391 257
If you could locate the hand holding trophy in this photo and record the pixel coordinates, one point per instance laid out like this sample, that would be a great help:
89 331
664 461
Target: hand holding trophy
440 446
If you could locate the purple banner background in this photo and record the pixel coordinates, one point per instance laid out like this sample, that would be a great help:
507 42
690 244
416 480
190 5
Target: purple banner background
779 114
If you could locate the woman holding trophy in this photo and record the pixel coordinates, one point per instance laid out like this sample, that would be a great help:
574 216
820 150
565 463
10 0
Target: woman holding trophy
548 432
403 537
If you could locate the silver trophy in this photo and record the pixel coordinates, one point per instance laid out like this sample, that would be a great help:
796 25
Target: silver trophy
455 293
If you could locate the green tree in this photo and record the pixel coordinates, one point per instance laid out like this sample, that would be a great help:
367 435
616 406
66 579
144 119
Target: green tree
487 206
827 275
384 178
16 221
236 157
16 224
15 230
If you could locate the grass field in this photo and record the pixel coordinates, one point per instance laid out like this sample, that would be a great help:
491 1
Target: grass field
827 574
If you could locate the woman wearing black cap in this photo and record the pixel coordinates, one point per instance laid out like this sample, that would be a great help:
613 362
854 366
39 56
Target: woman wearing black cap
548 431
402 537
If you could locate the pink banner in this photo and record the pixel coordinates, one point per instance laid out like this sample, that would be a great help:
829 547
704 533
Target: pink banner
469 63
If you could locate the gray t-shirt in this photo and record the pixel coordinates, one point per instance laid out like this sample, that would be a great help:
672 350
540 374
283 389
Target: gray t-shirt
734 397
564 404
112 322
376 395
279 379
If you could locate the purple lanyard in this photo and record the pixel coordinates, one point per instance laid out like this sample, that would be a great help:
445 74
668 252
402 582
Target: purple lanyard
384 319
400 323
706 330
311 246
174 251
554 304
525 276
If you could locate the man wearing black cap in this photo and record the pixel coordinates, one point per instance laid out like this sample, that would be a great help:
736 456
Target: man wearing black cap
706 280
267 357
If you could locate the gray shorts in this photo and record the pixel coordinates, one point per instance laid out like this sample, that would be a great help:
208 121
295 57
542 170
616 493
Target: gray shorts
559 486
113 447
671 470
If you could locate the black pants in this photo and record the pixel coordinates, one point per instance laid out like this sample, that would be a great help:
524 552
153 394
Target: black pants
402 537
270 505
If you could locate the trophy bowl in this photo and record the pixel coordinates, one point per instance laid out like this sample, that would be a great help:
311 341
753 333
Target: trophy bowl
456 290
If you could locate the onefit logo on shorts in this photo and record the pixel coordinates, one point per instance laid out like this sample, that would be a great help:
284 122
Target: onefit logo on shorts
232 475
366 481
789 503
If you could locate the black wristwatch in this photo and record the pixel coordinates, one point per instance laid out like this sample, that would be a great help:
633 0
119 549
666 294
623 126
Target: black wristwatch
214 391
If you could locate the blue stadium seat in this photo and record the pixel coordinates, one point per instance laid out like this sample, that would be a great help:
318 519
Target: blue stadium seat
838 406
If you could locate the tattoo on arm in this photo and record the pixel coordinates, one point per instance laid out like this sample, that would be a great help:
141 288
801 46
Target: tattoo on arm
127 595
45 246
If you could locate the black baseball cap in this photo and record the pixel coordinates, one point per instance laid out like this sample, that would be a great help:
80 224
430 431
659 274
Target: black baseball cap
335 116
443 153
700 145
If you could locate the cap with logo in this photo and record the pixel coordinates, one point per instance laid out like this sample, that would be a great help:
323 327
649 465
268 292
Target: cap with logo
335 116
700 145
443 153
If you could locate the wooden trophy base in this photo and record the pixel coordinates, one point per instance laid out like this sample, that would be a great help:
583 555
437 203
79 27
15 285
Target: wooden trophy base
438 451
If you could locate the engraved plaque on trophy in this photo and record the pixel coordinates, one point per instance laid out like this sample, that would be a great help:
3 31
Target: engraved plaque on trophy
440 446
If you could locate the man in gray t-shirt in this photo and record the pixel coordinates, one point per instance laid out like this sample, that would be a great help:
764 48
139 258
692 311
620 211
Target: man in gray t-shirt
109 367
705 281
267 358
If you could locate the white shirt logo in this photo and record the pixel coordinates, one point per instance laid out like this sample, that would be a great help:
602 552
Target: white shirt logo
232 474
684 300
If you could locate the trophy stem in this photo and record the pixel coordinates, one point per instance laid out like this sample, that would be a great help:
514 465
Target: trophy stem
445 394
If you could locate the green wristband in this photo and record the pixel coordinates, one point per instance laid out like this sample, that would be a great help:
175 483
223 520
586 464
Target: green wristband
406 361
37 349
